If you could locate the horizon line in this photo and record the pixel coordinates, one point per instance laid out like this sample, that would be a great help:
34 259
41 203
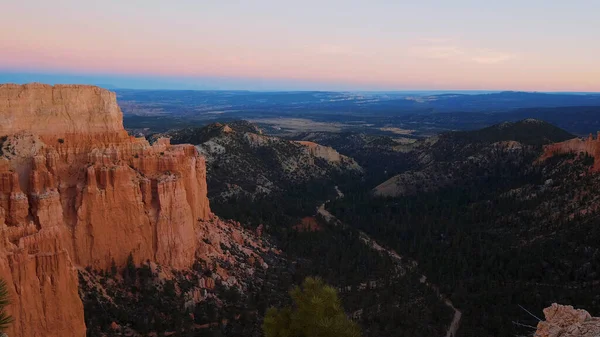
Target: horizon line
111 87
258 84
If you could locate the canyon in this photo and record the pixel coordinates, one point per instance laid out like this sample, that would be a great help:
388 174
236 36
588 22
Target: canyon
80 197
77 191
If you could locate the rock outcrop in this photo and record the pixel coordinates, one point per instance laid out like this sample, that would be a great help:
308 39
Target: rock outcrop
76 190
565 321
589 145
329 154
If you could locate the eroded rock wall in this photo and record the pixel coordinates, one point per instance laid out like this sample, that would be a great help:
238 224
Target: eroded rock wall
589 145
77 191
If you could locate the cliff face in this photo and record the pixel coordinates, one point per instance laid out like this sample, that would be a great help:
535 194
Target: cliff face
576 145
43 285
61 110
565 321
76 190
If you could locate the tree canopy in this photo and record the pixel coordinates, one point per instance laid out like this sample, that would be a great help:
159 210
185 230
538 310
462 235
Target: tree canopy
317 312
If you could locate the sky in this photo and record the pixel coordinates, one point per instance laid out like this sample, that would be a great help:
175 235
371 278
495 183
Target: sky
532 45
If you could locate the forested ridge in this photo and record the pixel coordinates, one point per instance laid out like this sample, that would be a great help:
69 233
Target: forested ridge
523 234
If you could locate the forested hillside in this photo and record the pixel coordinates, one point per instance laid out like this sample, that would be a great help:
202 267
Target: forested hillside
505 233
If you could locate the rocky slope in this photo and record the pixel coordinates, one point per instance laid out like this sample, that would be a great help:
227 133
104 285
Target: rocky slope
399 165
454 157
380 156
468 162
242 160
76 191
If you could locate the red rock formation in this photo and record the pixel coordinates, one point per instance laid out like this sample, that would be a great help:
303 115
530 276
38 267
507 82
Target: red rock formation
76 190
565 321
57 111
43 286
576 145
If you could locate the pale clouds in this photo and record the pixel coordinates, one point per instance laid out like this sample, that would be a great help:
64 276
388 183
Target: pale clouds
334 49
448 49
484 56
440 52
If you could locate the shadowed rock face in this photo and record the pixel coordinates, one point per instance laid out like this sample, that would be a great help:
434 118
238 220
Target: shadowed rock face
565 321
77 191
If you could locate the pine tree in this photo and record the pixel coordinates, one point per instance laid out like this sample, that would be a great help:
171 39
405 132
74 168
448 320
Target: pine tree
317 312
113 268
130 270
5 318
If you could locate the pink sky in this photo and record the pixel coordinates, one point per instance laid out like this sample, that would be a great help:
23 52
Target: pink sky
433 45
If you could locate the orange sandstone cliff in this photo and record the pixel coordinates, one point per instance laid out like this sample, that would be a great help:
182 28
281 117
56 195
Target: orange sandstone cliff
576 145
76 190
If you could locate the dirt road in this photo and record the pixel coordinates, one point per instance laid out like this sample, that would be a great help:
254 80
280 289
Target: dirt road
400 264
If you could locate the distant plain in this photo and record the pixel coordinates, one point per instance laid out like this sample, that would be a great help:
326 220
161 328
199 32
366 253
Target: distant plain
397 114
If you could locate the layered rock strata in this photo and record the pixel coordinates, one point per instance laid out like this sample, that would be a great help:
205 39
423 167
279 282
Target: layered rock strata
76 190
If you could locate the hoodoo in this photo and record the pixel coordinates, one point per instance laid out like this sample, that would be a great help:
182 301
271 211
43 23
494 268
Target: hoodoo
76 190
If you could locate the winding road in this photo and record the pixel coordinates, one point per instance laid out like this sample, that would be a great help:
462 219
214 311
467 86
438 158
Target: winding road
400 264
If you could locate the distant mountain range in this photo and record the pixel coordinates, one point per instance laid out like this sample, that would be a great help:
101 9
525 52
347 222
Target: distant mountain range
401 102
410 114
